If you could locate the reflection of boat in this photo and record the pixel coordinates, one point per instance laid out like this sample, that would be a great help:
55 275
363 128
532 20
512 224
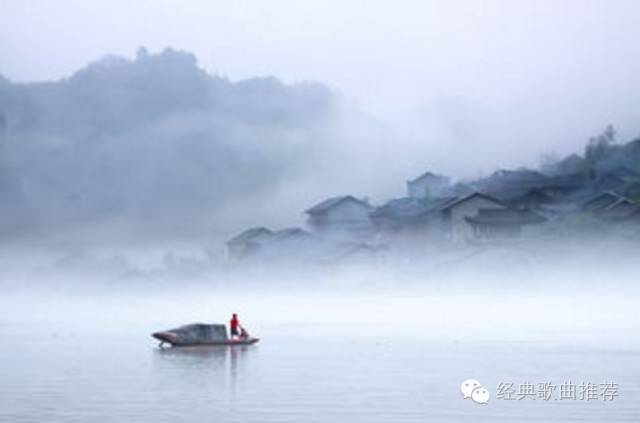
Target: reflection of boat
200 334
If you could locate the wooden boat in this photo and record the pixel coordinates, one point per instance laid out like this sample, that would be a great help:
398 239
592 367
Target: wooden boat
200 334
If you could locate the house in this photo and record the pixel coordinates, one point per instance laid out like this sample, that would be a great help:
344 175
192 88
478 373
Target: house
603 201
505 223
290 244
505 179
567 187
449 218
508 185
611 207
405 216
459 189
532 198
398 213
341 217
428 185
616 179
241 245
286 243
610 182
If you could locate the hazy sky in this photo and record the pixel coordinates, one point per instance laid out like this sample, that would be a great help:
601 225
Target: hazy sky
510 78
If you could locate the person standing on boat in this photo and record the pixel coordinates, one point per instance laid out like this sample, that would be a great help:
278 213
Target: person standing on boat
234 326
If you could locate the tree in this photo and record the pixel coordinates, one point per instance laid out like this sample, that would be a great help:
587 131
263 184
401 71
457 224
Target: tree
600 146
548 161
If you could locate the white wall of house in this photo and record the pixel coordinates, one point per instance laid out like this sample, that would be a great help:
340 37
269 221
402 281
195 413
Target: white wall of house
346 218
348 211
417 189
460 229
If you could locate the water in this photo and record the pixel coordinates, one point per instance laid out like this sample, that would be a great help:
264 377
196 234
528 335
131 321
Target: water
91 362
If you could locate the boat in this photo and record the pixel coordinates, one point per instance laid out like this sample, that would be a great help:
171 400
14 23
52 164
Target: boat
200 334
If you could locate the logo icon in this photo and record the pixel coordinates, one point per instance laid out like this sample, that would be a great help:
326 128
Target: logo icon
471 388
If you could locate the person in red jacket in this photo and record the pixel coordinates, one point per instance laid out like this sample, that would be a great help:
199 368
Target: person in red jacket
234 326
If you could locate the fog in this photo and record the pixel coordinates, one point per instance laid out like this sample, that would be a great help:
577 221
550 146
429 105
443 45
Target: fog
238 115
137 138
543 315
156 145
78 323
506 81
130 156
90 357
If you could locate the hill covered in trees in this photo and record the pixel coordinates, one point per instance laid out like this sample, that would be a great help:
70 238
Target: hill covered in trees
155 141
602 154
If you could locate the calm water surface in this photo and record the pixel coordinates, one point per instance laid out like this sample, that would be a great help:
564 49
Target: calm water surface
60 372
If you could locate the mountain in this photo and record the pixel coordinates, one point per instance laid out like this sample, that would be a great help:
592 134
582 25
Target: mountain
155 142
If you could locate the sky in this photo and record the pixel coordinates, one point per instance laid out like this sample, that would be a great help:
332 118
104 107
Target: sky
496 82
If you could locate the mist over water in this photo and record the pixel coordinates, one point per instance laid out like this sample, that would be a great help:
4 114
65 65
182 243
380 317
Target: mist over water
352 346
126 172
363 341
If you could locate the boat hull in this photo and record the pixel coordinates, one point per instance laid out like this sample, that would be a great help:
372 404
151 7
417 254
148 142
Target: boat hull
164 337
200 334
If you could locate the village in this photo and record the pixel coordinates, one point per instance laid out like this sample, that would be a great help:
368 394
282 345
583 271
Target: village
508 207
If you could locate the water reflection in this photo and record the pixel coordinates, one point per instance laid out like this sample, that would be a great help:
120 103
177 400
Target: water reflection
217 366
190 358
236 357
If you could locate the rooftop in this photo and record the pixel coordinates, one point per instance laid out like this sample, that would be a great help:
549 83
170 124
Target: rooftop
250 235
459 200
327 204
428 175
602 201
505 216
